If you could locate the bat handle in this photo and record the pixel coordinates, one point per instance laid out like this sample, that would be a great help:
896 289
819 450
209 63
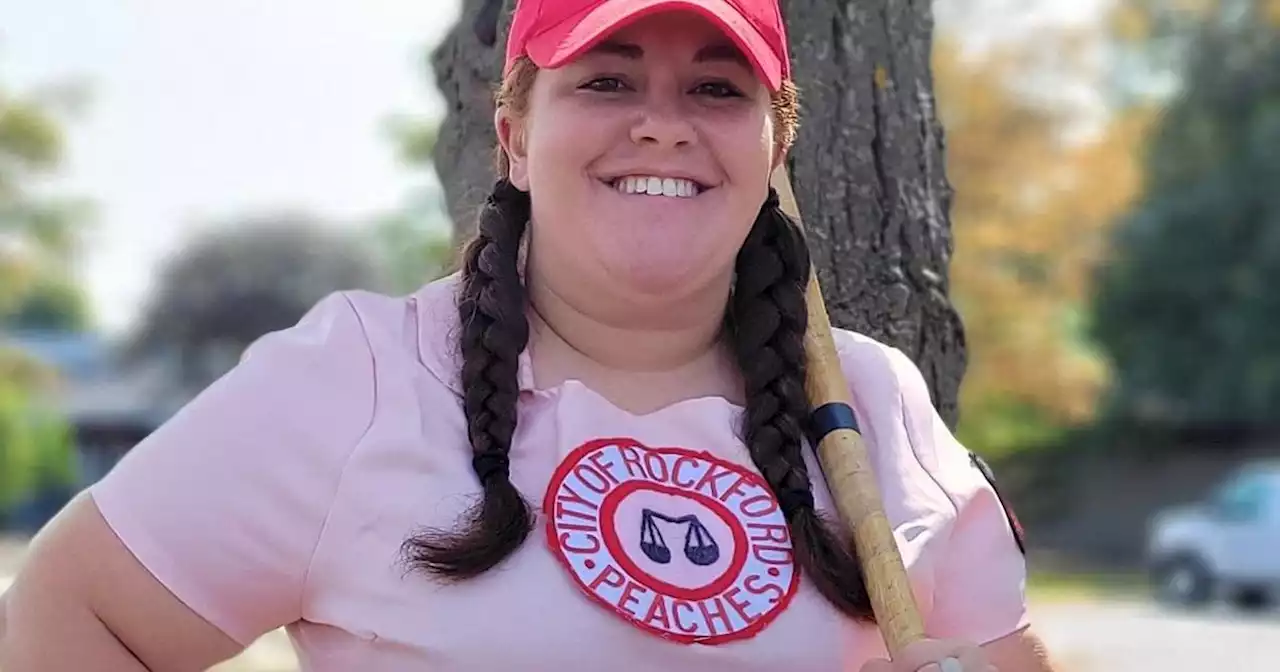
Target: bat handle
847 467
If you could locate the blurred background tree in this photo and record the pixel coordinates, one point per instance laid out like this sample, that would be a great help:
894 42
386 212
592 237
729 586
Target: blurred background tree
241 279
1187 308
37 458
1038 185
53 301
41 233
415 243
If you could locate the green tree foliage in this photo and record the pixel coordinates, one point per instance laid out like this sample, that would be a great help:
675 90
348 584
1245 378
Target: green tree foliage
415 243
1186 306
36 449
39 238
38 230
1033 202
414 246
54 301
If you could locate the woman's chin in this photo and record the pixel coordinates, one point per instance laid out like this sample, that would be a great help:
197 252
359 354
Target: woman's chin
659 280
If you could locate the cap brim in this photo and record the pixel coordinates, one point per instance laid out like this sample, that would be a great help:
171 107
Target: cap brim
574 36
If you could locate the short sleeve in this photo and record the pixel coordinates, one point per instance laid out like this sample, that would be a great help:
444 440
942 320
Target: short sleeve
225 502
980 574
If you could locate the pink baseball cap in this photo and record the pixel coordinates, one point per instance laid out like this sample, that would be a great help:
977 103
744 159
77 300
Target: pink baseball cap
554 32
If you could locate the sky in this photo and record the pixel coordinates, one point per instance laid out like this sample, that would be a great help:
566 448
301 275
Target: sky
205 109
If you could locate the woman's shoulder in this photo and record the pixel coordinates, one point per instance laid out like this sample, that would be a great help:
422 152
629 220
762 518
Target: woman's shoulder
898 416
880 374
258 459
396 332
912 441
396 320
323 379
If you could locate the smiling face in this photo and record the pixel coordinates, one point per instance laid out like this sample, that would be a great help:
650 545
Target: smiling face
646 160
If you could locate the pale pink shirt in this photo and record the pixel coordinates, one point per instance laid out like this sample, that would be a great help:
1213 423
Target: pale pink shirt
283 493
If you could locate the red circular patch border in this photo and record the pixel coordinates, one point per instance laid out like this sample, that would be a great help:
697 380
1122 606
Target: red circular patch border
562 471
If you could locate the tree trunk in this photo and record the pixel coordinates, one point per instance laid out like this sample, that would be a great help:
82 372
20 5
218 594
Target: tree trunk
868 168
467 70
870 179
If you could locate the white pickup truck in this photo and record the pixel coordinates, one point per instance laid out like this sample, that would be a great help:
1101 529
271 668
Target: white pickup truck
1226 548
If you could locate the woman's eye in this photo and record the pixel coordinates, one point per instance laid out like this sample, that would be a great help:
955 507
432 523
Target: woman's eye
605 85
718 90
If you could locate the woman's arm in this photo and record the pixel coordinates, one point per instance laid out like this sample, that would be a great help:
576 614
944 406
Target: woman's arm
83 602
978 566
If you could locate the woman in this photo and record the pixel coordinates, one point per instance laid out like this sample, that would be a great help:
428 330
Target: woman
623 346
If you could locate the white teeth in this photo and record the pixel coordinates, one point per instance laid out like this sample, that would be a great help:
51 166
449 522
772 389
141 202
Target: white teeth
656 186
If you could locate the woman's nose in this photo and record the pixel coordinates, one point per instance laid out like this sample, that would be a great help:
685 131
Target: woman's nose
663 124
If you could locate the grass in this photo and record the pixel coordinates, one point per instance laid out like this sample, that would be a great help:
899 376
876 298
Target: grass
1063 586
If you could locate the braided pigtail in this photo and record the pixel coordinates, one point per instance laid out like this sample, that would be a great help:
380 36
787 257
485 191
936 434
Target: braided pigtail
767 321
494 332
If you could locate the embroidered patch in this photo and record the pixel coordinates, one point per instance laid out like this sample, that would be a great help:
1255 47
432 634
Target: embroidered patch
679 543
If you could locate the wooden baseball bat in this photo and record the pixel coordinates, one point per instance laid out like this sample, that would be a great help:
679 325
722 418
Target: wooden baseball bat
844 459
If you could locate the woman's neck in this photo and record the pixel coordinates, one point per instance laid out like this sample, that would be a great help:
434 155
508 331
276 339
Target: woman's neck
673 351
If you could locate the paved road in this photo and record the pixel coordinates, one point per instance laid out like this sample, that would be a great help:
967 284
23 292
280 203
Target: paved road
1141 637
1085 637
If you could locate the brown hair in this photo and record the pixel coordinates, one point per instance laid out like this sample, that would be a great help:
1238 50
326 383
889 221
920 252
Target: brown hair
765 325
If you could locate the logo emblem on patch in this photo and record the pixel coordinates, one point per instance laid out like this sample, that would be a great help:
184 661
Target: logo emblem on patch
679 543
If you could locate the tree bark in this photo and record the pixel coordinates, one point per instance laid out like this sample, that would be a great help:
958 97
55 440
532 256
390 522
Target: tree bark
467 72
868 168
870 179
